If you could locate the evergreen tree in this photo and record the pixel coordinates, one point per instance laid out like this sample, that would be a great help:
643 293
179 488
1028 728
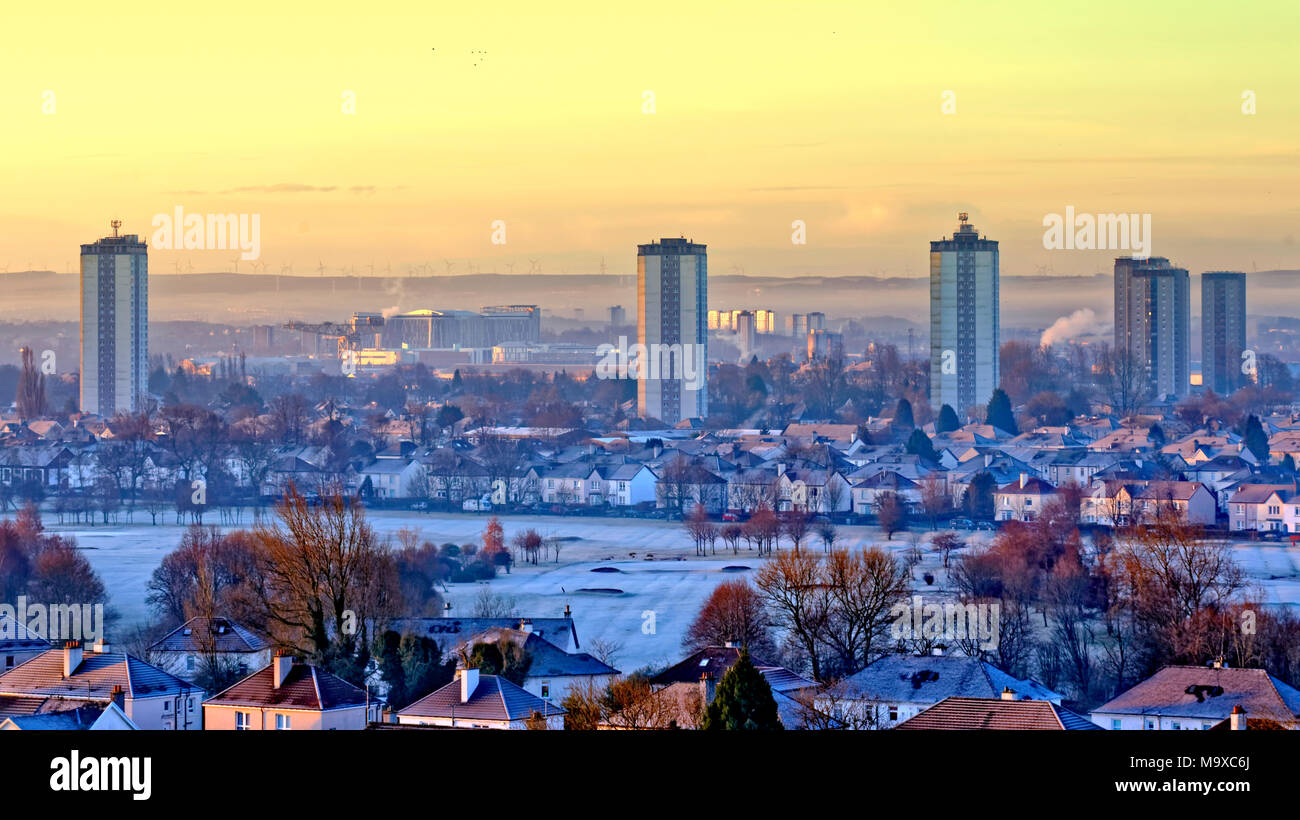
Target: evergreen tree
919 444
1256 439
999 412
743 700
1157 435
979 500
903 418
947 421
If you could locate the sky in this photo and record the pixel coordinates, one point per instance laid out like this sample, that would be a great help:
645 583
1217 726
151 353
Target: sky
397 137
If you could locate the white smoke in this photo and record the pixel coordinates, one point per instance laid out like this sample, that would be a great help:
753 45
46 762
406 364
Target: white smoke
391 311
1080 323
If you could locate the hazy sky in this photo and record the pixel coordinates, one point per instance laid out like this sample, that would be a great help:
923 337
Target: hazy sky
764 113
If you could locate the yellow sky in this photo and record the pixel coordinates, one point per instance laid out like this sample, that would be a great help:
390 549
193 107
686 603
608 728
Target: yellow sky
764 113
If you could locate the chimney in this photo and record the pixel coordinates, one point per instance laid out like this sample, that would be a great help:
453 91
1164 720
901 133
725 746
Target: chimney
1007 694
71 657
1219 664
707 687
729 644
1024 479
525 625
119 697
99 647
937 651
1237 720
283 665
568 613
468 683
780 468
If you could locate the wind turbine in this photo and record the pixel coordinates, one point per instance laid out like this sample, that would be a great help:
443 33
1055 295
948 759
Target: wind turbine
320 268
450 264
533 267
236 262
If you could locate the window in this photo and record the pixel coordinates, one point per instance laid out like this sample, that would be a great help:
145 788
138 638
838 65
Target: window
1151 724
9 661
1175 725
1115 723
546 689
190 707
893 713
167 706
189 663
282 722
242 721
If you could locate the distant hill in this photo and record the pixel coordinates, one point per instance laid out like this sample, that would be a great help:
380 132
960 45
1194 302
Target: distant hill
257 298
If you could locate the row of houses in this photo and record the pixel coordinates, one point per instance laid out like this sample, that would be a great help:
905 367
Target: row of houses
70 688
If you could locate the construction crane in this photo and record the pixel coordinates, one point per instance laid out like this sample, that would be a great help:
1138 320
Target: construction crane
349 334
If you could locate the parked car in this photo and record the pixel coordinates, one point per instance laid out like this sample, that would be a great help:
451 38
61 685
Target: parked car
987 526
482 504
963 524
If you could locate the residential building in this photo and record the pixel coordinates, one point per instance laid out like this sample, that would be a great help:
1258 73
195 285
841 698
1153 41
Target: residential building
672 306
114 324
288 695
964 319
477 701
552 672
897 687
108 717
185 649
1022 500
70 677
1153 325
1223 331
1005 713
1198 697
18 644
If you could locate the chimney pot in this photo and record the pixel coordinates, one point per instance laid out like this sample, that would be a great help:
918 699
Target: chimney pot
1007 694
1237 720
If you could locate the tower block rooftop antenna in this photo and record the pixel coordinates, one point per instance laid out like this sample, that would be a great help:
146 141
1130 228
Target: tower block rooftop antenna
116 223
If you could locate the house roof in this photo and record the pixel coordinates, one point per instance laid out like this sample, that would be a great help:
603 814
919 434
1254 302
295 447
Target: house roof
225 636
1208 693
81 717
716 660
545 658
93 679
451 631
15 636
997 714
901 678
1259 493
494 698
306 687
1032 486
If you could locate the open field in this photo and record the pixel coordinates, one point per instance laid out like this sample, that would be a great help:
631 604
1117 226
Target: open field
657 581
